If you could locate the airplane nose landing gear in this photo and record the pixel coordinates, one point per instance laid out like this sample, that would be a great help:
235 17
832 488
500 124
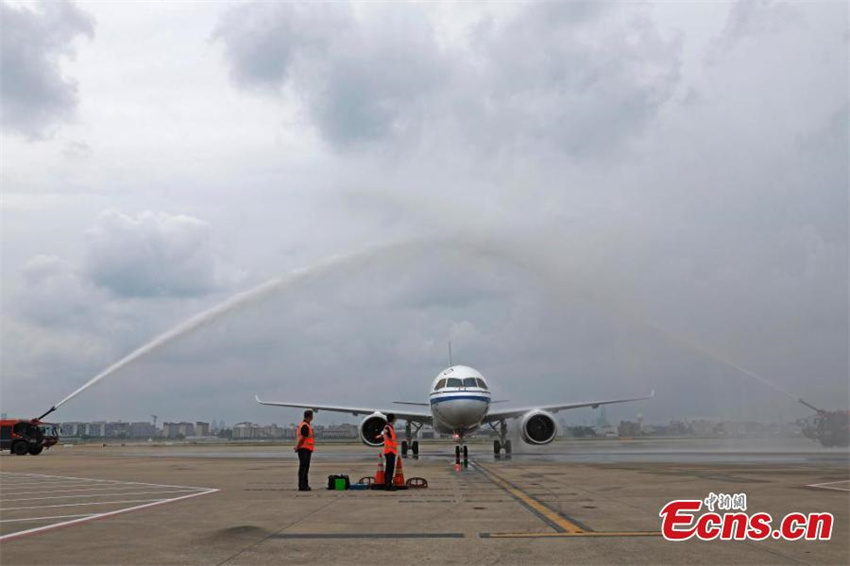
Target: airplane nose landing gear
458 451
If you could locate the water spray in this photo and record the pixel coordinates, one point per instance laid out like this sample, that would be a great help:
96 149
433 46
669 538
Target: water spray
525 255
276 285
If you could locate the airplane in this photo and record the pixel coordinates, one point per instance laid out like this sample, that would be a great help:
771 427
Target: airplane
459 404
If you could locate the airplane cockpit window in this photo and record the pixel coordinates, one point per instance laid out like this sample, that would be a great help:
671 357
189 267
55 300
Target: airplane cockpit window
440 384
454 382
470 382
481 383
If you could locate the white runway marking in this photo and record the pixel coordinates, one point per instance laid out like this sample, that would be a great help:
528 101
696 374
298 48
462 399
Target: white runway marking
45 518
96 495
832 485
8 484
81 504
86 489
60 486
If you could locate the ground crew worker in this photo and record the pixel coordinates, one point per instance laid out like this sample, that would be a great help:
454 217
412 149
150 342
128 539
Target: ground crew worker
304 446
390 451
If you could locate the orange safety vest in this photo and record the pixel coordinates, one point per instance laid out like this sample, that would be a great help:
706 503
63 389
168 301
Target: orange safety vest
390 445
305 441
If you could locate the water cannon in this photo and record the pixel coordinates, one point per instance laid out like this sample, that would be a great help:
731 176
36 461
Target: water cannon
53 408
830 428
812 407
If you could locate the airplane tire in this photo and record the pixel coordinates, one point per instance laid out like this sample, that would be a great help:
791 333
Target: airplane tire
457 454
507 447
465 453
20 448
404 449
415 447
497 447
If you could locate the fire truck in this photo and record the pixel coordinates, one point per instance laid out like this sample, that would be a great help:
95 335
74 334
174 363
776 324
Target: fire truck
22 437
831 428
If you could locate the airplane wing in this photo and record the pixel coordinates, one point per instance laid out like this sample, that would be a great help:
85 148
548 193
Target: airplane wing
412 416
493 416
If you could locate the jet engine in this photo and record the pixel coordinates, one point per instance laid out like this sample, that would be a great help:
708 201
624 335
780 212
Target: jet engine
538 427
372 427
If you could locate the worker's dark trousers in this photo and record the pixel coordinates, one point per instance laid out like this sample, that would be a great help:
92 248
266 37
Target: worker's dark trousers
390 469
304 456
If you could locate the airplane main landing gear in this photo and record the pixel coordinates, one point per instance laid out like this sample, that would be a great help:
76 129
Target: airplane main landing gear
411 447
503 441
409 443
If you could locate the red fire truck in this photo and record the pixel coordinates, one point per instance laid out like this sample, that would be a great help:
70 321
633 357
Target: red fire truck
24 437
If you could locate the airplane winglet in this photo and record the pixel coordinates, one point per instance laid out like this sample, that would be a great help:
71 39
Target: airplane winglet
257 398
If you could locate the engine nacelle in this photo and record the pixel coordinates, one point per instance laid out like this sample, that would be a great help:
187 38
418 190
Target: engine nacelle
538 427
372 427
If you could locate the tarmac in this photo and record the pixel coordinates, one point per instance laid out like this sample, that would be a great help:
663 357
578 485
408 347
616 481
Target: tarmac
571 502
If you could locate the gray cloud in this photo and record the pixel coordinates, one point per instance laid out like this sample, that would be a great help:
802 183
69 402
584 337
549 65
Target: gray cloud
56 293
545 129
36 94
581 77
751 18
151 255
360 80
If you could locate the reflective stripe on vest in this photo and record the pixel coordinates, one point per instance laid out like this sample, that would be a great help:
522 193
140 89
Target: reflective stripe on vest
306 441
390 445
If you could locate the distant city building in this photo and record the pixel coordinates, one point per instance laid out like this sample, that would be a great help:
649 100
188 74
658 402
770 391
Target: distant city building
70 429
245 430
117 430
186 429
271 431
95 430
602 419
170 430
705 427
580 431
142 430
343 431
202 429
628 429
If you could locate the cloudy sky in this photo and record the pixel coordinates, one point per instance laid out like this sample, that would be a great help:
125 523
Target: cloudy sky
590 200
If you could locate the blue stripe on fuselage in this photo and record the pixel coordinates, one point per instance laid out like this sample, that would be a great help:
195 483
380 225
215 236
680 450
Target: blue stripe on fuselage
436 400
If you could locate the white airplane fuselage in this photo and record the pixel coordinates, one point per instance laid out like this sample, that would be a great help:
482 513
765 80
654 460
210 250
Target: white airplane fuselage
459 400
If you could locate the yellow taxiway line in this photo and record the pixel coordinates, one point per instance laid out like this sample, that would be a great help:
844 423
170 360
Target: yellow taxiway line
555 519
593 534
563 526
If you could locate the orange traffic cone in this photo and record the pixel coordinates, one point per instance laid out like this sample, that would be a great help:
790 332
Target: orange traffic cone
379 475
398 480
